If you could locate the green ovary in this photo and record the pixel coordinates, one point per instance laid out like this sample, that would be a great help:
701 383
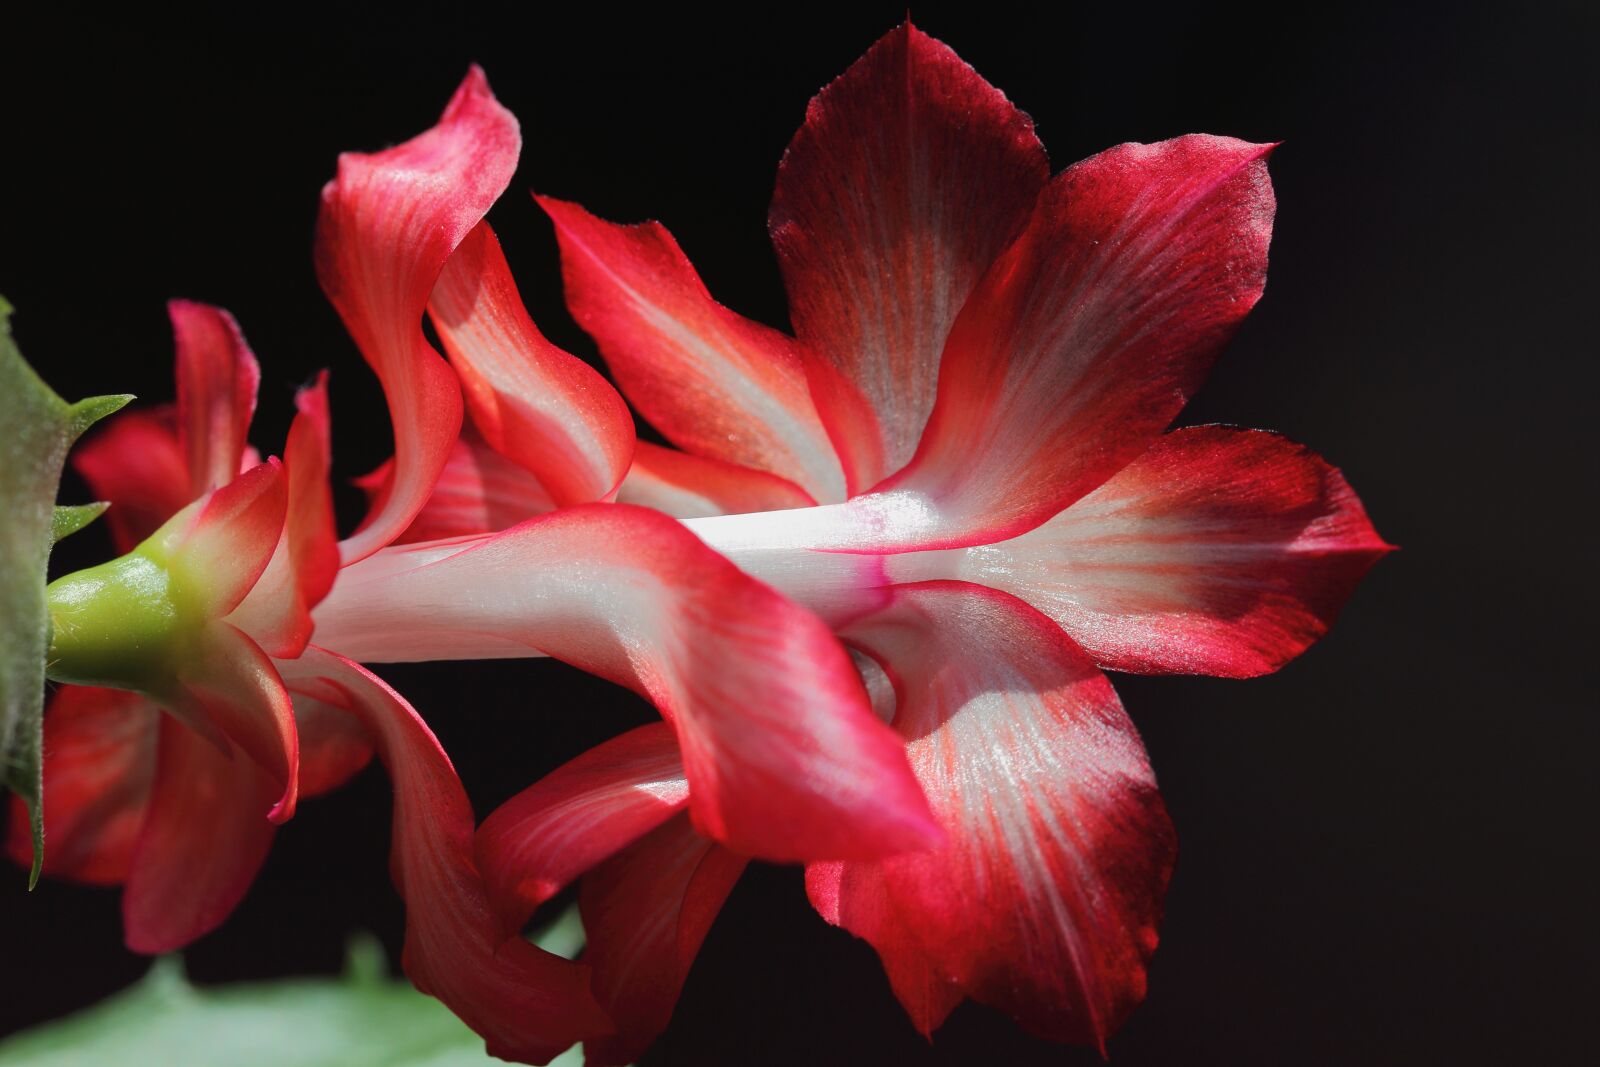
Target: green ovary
119 624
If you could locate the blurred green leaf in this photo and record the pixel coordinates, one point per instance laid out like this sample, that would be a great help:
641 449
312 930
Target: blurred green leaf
36 429
362 1019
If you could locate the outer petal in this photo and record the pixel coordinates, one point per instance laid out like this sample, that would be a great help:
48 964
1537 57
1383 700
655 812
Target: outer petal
277 610
783 754
217 381
99 756
137 463
1045 900
533 403
388 222
1086 337
334 745
226 684
542 839
1219 551
909 176
646 912
204 838
528 1004
218 546
713 382
687 486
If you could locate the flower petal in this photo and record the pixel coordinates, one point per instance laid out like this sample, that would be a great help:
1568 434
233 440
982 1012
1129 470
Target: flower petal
334 746
137 464
277 610
225 682
217 381
389 220
1045 900
203 840
542 839
910 174
784 756
99 755
1219 551
687 486
217 547
646 912
526 1003
1087 336
533 403
715 383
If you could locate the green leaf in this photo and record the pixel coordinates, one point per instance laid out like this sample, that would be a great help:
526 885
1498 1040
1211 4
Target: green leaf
363 1019
71 518
36 429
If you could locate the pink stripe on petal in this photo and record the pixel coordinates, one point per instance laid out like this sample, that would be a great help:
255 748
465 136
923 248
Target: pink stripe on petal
910 174
715 383
542 839
527 1004
533 403
1091 331
217 381
1045 899
388 223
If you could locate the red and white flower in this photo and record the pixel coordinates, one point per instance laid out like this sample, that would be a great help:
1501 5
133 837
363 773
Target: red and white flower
958 460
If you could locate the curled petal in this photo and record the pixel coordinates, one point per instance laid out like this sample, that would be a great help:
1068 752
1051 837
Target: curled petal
714 382
137 464
99 756
687 486
277 611
1219 551
540 840
218 546
1089 333
203 840
909 176
646 911
527 1004
1045 898
389 220
217 381
535 404
784 756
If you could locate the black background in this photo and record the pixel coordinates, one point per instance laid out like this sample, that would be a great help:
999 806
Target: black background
1385 847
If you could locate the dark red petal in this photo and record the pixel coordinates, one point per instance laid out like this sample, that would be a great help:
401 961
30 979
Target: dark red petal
1044 901
527 1004
533 403
277 611
646 912
543 838
1086 337
389 220
334 745
226 684
204 838
909 176
785 758
136 463
714 382
1219 551
217 380
99 756
687 486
